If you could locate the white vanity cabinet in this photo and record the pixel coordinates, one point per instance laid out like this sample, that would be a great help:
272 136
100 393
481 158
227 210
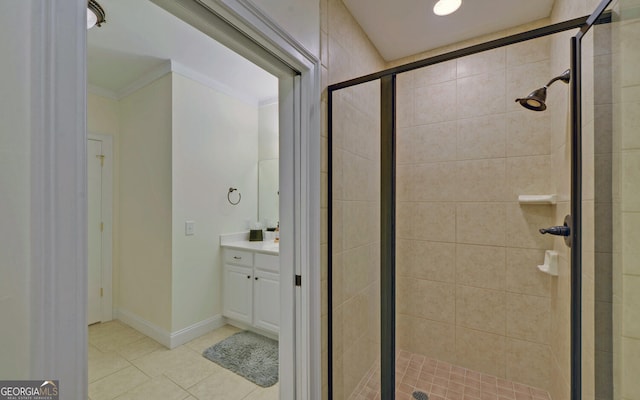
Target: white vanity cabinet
251 291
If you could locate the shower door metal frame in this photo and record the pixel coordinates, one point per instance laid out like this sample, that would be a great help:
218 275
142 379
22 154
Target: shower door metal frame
576 198
388 193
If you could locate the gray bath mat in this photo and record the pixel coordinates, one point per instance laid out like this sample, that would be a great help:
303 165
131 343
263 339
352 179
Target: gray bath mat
248 354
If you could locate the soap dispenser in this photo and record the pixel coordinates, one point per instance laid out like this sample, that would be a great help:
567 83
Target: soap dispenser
277 239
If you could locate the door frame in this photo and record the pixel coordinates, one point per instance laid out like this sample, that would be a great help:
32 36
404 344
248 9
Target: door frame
106 203
58 290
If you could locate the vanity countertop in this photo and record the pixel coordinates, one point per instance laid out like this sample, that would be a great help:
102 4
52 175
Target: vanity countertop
240 241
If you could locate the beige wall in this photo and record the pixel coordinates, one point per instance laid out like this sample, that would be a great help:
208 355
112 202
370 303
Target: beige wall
346 52
145 203
468 288
214 147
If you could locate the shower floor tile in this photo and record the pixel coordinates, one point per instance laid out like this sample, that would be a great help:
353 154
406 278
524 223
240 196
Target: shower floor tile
443 381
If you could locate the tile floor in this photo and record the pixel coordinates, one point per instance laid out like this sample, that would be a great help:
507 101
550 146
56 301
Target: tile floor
126 365
443 381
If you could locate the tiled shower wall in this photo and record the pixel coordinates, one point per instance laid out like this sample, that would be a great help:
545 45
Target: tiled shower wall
468 288
356 235
346 53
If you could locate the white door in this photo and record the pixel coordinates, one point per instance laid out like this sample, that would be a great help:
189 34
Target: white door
95 227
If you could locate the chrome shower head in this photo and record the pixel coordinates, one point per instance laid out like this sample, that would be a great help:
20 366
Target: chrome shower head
536 100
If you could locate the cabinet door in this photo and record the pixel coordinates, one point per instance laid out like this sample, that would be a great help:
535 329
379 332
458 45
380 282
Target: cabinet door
238 283
266 309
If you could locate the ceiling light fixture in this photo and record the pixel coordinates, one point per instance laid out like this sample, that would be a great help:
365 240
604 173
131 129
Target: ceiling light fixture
95 14
446 7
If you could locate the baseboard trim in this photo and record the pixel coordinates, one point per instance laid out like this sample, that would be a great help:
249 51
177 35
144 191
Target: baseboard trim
198 329
169 339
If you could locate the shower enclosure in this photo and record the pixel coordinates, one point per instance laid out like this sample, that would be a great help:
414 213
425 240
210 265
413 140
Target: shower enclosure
440 185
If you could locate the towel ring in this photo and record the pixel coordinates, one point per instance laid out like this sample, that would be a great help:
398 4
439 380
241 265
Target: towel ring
231 190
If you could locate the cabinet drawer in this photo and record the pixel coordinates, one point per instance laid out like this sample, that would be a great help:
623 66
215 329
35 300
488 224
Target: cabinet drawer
238 257
267 262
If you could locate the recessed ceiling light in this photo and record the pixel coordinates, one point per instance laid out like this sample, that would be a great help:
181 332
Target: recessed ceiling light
95 14
446 7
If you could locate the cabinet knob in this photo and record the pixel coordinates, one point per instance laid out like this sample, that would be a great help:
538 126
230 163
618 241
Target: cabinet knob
248 276
256 278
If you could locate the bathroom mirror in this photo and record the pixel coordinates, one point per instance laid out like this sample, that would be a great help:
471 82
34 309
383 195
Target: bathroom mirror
268 154
268 192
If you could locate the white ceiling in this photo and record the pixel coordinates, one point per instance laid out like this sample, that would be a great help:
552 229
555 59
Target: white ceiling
400 28
140 37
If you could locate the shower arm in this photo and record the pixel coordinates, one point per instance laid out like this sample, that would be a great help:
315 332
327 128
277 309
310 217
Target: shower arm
565 77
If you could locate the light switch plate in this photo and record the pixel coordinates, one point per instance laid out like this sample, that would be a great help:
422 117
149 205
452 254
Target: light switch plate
189 228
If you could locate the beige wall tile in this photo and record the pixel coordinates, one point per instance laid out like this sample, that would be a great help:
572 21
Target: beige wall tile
528 175
630 119
427 182
430 338
356 173
524 221
629 36
630 177
405 108
354 319
357 360
481 223
358 269
339 60
441 72
337 178
426 260
528 317
337 226
481 266
427 143
528 363
426 221
482 137
481 94
481 351
481 309
528 133
630 367
523 275
359 220
630 240
481 63
528 52
426 299
435 103
631 306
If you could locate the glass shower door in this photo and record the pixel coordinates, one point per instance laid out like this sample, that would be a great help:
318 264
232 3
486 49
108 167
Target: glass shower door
354 269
